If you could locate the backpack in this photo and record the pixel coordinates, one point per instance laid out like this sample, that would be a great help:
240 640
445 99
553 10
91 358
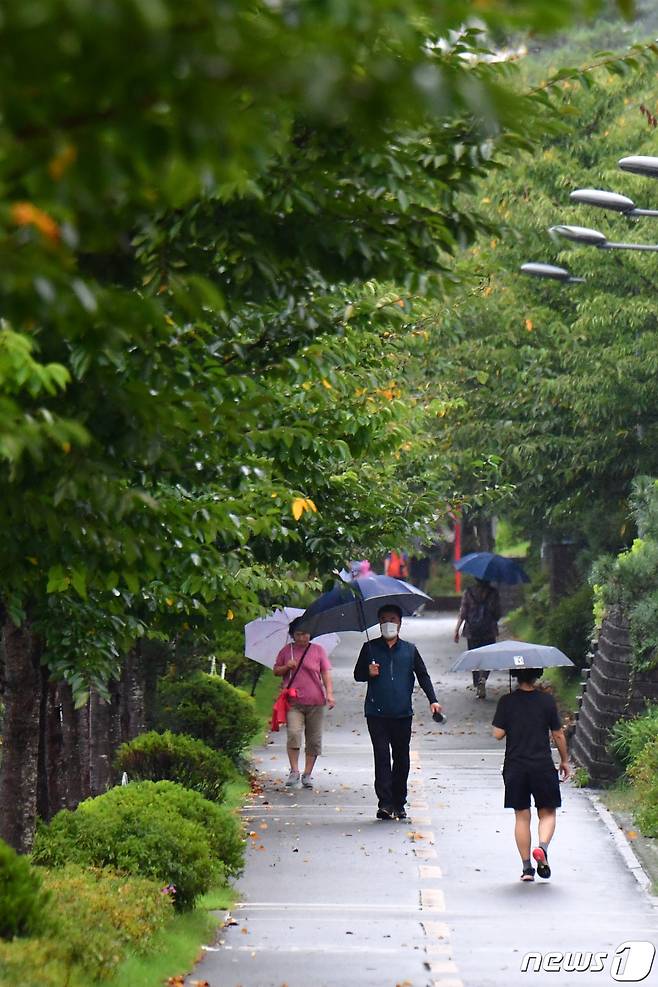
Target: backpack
480 618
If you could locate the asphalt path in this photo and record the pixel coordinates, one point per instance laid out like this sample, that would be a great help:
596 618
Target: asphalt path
332 897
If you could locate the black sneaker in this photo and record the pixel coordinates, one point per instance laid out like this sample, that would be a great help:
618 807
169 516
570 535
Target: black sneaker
400 813
384 813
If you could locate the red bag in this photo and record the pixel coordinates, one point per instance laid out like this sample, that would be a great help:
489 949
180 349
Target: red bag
282 701
279 710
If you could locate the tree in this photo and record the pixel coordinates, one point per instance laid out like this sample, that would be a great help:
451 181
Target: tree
192 244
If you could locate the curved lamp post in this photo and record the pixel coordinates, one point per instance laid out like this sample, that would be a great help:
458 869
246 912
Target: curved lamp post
592 238
552 272
610 200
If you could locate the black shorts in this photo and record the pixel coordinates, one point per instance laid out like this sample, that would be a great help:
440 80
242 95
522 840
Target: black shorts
542 782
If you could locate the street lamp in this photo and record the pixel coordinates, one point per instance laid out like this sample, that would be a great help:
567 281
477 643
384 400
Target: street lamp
551 272
640 164
610 200
592 238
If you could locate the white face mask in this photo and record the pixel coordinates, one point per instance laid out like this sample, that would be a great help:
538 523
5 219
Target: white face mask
389 629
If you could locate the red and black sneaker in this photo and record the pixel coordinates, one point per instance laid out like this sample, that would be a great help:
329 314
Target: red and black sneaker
541 859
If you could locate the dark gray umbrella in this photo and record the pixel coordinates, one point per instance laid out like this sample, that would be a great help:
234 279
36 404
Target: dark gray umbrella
353 606
509 655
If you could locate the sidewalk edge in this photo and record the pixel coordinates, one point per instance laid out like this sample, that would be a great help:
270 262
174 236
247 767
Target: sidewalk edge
623 847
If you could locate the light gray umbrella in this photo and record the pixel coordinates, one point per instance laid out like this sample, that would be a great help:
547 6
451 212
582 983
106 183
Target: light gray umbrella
509 655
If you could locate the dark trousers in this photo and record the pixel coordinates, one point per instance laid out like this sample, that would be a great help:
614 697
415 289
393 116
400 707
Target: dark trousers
479 643
390 736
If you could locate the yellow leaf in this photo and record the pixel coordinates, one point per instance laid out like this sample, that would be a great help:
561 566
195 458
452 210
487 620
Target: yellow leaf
169 601
66 446
26 214
325 383
311 505
298 507
229 614
528 324
31 558
62 161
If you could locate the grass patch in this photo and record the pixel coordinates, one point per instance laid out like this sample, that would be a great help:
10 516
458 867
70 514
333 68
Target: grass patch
517 625
173 950
620 797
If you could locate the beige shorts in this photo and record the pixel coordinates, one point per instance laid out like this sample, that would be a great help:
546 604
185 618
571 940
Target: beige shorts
308 719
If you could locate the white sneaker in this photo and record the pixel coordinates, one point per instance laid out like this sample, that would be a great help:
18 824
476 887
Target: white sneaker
307 781
293 780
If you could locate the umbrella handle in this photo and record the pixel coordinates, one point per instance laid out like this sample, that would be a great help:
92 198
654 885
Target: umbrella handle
363 621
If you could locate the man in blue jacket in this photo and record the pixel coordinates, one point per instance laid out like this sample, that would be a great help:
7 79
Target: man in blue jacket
389 665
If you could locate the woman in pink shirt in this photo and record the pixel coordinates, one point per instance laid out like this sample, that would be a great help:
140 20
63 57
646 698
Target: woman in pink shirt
315 691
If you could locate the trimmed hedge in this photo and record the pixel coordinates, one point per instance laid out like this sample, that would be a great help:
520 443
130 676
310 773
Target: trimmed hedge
158 830
93 920
168 756
22 899
209 709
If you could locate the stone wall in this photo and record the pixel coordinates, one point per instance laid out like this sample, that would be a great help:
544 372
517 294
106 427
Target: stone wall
610 692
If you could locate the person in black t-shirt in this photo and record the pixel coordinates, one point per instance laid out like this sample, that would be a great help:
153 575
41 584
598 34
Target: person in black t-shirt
525 718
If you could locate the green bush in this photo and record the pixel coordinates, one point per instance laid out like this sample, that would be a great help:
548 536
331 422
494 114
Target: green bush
94 919
22 899
643 772
208 708
223 828
175 757
139 829
628 738
569 625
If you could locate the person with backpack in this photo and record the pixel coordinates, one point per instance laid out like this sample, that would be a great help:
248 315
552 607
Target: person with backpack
479 614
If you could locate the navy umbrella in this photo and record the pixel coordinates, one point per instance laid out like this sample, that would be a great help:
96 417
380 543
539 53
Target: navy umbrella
353 606
493 568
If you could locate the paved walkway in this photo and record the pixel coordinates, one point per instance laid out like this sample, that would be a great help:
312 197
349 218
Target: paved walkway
332 897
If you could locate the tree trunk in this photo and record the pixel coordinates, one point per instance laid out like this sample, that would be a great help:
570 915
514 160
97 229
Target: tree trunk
70 749
55 767
82 718
99 744
132 694
20 745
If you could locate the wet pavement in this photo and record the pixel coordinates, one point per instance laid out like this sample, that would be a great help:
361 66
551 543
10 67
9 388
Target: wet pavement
332 897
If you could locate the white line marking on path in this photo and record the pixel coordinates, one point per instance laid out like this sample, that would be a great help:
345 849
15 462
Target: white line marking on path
432 900
429 872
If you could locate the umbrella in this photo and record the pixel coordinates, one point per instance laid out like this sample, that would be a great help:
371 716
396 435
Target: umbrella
264 637
494 568
353 606
510 655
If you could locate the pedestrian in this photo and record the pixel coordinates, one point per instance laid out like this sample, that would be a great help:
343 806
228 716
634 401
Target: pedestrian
306 669
525 717
396 564
479 614
389 664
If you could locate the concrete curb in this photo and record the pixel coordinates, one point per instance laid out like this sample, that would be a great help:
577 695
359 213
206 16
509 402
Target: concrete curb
623 847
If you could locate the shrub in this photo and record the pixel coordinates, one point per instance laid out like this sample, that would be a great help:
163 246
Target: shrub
137 829
175 757
628 738
208 708
94 919
569 625
643 772
22 900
